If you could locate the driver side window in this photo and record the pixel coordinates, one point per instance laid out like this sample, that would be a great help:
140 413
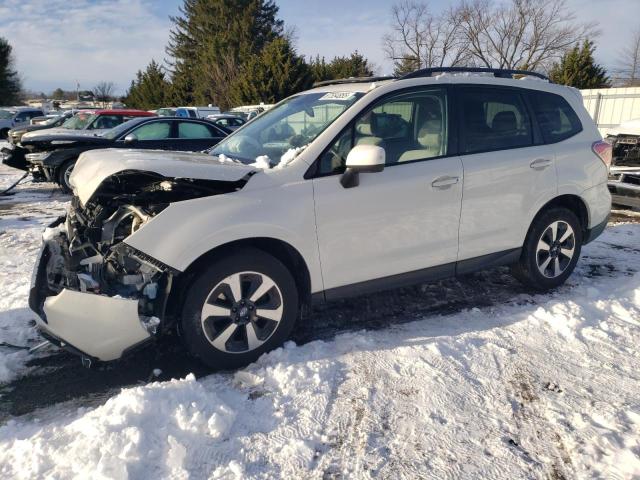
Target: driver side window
409 127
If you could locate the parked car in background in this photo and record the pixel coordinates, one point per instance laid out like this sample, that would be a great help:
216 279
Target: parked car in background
230 122
48 116
197 112
624 183
166 112
15 134
15 117
94 122
352 187
52 157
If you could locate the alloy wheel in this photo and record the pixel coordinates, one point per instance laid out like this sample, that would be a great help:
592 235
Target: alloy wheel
555 249
67 175
242 312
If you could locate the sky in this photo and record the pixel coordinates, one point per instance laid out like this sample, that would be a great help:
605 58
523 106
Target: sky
60 42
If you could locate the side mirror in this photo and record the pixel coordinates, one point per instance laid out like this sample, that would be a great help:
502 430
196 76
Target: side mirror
362 159
131 138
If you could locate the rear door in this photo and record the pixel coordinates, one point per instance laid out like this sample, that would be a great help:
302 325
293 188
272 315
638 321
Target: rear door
508 172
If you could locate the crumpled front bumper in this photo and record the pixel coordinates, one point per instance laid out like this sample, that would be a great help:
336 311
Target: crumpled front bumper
92 325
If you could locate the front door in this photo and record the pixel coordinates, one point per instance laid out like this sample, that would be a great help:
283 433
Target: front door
399 221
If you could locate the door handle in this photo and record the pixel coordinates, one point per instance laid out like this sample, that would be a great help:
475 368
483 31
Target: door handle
444 182
540 164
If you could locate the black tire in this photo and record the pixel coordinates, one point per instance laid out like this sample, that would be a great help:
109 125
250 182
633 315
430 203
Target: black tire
197 331
63 177
4 134
529 269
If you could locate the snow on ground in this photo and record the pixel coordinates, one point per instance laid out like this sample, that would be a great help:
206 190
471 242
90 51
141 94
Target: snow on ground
20 237
545 386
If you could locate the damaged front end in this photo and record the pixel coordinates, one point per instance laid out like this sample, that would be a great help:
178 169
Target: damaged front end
95 295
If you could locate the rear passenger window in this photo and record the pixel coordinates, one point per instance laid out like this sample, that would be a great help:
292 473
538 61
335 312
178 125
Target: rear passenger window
193 130
556 118
494 120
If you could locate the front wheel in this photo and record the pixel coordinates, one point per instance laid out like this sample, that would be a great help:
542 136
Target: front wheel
551 250
238 308
64 174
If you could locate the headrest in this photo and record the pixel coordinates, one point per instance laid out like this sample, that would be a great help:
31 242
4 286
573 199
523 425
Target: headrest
504 122
550 120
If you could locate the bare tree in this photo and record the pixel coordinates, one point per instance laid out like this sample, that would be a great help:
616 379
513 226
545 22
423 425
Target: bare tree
527 34
629 62
420 39
103 92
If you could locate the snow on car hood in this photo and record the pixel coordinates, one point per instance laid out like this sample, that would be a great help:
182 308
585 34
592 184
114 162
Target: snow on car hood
95 166
630 127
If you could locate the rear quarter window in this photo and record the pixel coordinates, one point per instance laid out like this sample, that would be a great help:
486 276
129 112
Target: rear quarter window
555 117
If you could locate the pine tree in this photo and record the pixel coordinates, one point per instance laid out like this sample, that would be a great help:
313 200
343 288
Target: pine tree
274 74
578 69
10 85
355 65
211 41
406 65
150 90
320 69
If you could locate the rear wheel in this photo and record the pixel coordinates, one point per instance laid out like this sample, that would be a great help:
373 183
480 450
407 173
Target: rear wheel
239 308
64 173
551 249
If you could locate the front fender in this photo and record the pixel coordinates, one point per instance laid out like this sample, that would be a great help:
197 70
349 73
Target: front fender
186 230
59 156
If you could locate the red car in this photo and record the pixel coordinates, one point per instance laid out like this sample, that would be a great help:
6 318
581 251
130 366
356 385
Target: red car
104 119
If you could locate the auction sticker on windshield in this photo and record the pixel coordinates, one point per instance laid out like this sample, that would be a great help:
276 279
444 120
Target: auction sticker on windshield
338 96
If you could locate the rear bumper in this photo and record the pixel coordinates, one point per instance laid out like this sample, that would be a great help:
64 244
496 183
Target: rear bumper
596 231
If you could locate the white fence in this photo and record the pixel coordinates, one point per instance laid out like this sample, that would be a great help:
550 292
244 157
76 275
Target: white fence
610 107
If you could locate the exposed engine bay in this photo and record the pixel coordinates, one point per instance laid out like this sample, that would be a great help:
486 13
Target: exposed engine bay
84 251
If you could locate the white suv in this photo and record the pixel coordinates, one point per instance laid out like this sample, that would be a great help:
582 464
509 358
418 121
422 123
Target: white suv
348 188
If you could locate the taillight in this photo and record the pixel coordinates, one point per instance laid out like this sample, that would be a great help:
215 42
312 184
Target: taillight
604 151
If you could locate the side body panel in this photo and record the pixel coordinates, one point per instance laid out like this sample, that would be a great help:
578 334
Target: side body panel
184 231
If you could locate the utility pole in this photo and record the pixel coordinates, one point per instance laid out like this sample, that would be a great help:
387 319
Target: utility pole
77 91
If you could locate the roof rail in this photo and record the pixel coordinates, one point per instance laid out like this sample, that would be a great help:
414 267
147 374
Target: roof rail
339 81
497 72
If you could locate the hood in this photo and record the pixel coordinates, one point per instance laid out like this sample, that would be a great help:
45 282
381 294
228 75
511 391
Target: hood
94 166
67 131
45 140
630 127
29 128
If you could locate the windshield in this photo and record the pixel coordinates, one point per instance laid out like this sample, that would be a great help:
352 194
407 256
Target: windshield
6 114
52 121
79 121
278 135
